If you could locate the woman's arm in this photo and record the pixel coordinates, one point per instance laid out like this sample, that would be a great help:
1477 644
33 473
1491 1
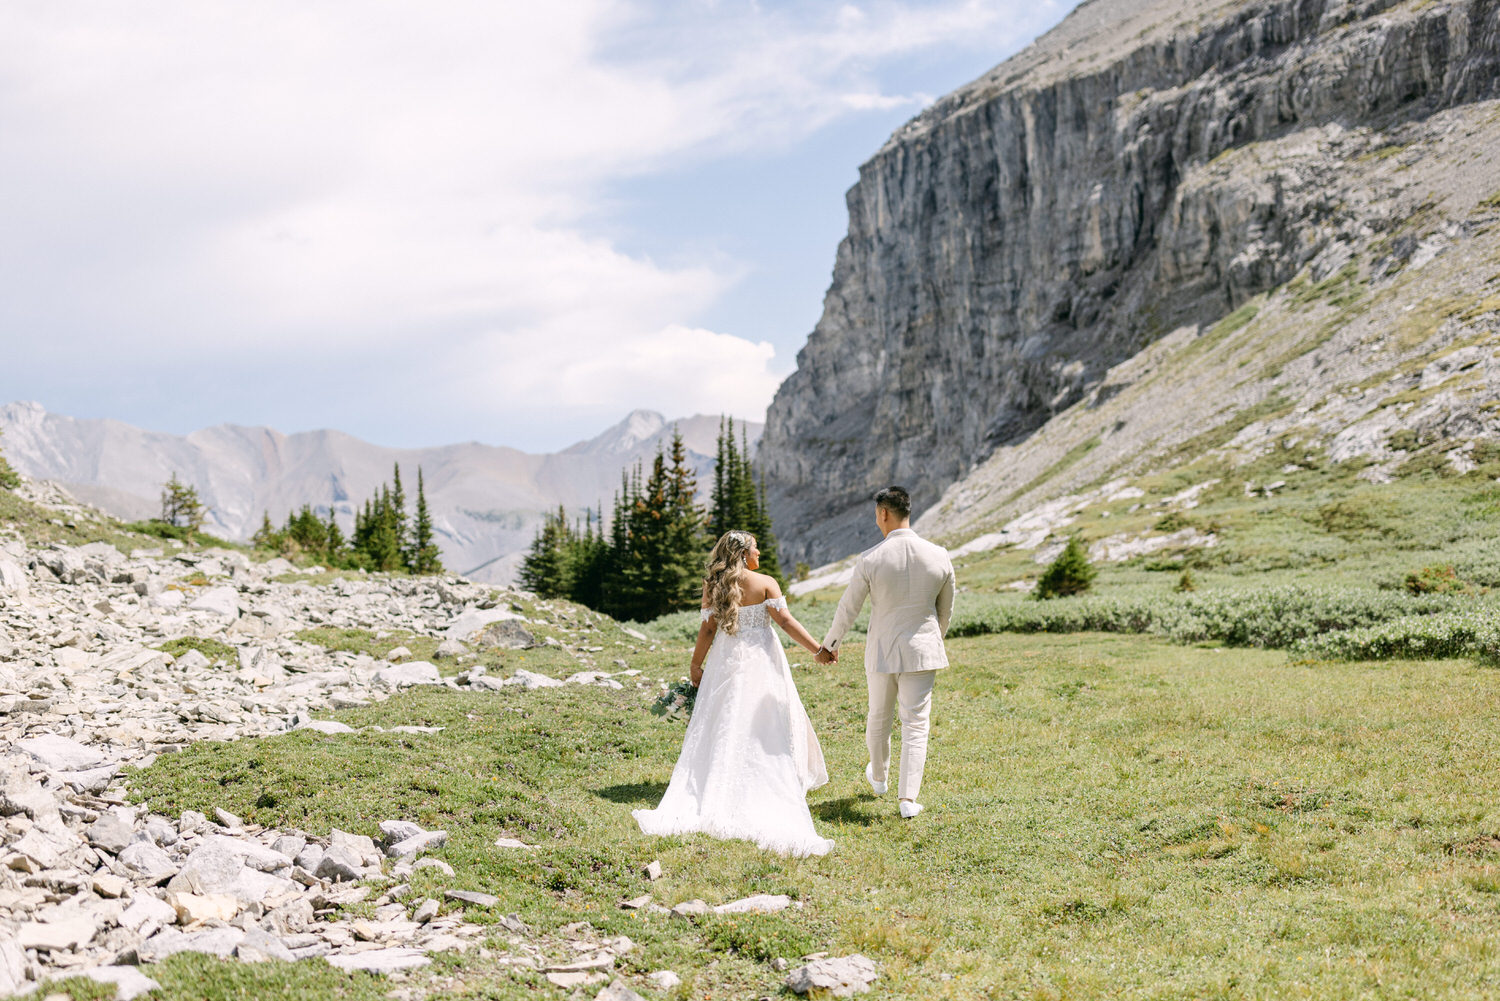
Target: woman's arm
787 621
705 640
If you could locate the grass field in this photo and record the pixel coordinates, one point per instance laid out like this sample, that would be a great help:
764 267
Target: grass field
1108 816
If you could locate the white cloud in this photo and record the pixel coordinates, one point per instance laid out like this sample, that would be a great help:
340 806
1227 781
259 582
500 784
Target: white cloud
232 179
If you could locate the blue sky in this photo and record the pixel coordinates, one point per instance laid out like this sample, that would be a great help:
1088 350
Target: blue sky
447 221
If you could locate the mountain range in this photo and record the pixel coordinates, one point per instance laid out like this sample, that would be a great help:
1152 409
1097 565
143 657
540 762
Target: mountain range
486 500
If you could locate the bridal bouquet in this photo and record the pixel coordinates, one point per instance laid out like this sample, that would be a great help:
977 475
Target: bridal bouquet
676 702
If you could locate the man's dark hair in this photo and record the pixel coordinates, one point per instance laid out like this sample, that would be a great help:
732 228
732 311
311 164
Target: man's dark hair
895 500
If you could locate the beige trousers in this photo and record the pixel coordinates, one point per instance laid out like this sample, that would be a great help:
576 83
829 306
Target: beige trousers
911 693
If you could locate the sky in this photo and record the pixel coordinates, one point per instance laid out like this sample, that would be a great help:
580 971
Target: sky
459 220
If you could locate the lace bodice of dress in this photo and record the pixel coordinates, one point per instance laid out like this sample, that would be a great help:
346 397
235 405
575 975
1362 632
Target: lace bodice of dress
753 616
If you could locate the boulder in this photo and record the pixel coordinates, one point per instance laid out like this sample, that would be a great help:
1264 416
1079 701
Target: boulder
219 942
531 680
330 726
417 672
145 909
472 897
221 601
506 635
761 903
193 660
129 982
110 833
617 991
59 754
13 580
450 649
253 853
217 868
839 976
69 933
395 831
260 947
12 964
471 620
197 908
147 862
418 843
340 866
379 960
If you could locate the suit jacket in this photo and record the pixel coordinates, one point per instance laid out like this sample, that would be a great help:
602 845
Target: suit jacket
910 584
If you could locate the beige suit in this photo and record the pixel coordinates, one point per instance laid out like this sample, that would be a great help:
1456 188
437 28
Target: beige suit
910 584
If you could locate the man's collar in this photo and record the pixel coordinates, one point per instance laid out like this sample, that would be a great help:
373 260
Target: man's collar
901 531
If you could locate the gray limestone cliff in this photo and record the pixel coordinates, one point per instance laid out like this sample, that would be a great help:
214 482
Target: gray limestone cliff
1143 168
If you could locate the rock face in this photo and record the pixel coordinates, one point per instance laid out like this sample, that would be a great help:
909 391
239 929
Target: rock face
1146 166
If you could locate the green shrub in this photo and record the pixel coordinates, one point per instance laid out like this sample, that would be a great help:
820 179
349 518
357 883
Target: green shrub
9 479
1438 579
1470 633
1173 521
210 648
1186 582
1275 617
1071 573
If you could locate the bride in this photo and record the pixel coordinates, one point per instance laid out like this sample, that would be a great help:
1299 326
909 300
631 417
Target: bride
750 754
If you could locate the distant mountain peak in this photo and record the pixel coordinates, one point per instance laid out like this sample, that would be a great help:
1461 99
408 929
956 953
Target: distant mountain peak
637 427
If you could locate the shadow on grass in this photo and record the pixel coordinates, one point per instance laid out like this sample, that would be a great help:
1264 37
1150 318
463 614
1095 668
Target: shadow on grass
635 792
849 810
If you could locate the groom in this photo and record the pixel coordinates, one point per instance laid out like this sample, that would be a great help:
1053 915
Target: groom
910 585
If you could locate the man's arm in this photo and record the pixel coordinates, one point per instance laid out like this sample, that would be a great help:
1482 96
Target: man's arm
945 600
849 607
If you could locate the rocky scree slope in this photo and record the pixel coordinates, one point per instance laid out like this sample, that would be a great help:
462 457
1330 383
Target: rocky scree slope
1038 240
93 884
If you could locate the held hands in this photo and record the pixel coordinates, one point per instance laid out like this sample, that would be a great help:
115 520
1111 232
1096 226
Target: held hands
826 656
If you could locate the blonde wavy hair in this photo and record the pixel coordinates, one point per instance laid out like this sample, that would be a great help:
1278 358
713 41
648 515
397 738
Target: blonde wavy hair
721 577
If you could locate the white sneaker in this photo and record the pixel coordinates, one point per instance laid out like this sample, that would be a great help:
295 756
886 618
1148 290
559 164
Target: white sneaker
910 809
879 787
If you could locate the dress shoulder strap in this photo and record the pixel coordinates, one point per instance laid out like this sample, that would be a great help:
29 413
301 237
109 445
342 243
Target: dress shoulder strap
708 613
778 603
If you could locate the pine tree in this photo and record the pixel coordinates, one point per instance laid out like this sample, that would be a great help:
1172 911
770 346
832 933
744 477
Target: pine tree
685 542
425 558
544 569
180 506
398 512
337 553
1071 573
265 537
590 562
738 501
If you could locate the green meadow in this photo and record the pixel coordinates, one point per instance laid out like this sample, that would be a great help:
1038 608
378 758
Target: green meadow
1108 816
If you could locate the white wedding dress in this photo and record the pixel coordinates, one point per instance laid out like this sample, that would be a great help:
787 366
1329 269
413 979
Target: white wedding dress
750 754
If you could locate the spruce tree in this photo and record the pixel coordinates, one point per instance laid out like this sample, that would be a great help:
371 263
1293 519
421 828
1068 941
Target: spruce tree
180 506
686 544
1071 573
738 501
425 557
265 537
336 545
590 562
544 569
